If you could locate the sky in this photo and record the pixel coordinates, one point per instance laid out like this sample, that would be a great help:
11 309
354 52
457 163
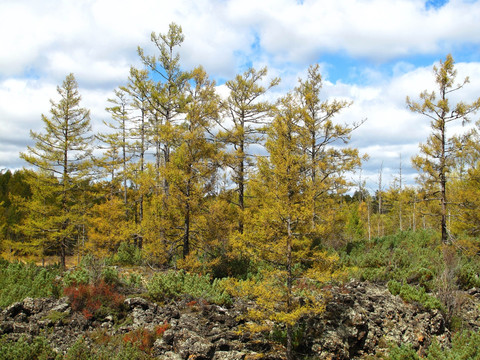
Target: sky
371 52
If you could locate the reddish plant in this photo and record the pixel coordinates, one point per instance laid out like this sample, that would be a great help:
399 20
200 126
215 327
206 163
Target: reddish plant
160 329
140 338
88 299
144 339
192 303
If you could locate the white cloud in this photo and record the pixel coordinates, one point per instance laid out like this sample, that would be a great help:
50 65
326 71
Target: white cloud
219 33
43 41
391 129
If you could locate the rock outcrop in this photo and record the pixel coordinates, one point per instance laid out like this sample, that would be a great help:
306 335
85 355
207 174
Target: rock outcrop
360 319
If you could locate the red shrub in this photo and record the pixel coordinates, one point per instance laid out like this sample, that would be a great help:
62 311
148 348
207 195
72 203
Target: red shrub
88 299
144 339
160 329
141 339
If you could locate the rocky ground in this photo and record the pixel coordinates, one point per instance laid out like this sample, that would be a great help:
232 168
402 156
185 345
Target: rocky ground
360 320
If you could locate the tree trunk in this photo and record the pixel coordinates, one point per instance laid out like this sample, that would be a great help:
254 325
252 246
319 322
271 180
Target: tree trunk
186 229
241 186
443 182
289 287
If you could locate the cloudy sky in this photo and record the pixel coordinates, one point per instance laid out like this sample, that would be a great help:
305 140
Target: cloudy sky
373 52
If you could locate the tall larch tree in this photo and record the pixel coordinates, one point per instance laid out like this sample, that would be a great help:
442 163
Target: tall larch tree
246 109
194 163
323 143
111 220
138 90
61 155
437 155
119 138
278 228
167 94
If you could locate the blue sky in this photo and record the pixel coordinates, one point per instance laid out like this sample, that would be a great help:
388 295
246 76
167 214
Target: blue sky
372 52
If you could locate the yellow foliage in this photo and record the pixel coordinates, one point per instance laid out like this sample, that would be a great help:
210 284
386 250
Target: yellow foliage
108 227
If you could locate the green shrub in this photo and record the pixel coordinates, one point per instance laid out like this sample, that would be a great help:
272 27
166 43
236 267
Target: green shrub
110 275
408 257
77 276
414 294
91 270
133 280
468 273
394 287
179 284
22 349
57 317
403 352
465 346
18 281
110 348
127 254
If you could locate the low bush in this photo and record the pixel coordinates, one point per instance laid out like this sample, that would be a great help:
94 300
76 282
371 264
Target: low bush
91 270
18 281
22 349
143 339
465 346
468 274
76 277
111 348
410 257
182 285
95 300
132 280
403 352
414 294
127 254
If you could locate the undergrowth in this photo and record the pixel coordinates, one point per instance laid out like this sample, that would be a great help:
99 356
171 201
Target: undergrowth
408 257
22 349
183 285
465 346
95 300
414 294
19 280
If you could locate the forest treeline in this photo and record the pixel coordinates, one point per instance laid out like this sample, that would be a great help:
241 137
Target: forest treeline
196 180
212 185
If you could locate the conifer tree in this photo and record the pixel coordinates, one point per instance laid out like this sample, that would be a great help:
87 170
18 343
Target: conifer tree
247 111
278 227
137 89
61 156
437 157
191 173
465 186
166 97
322 140
118 146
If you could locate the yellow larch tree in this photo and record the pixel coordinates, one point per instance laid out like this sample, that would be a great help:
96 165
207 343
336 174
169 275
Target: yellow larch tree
278 230
437 156
61 156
